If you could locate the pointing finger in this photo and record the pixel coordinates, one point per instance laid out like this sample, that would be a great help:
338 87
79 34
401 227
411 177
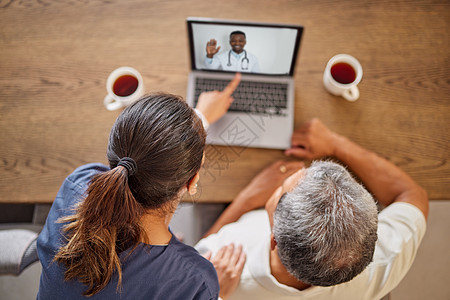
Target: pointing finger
229 89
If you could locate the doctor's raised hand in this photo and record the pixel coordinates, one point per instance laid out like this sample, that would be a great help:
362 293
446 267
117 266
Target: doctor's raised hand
211 48
213 105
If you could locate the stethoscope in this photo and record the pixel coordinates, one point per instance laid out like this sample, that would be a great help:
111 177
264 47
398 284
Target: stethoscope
244 59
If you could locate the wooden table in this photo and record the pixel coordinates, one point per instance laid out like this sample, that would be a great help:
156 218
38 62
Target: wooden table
55 57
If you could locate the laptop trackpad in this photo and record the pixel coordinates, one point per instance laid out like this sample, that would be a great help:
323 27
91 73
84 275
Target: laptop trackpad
245 130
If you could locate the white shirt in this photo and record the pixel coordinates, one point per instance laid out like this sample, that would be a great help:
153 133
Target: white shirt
401 227
231 61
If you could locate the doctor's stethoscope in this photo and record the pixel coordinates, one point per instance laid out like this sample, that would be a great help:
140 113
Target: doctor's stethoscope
244 59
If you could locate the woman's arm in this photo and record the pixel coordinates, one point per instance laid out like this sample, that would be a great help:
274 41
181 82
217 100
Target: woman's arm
213 105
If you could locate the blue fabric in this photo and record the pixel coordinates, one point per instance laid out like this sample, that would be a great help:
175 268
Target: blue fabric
175 271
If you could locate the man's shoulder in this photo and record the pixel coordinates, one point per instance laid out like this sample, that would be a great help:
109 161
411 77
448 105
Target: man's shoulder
253 222
400 222
401 206
401 227
402 214
248 230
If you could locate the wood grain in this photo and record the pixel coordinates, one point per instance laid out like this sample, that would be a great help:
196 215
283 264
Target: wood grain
55 57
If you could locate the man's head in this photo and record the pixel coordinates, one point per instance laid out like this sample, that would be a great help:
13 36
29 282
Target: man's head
237 41
325 228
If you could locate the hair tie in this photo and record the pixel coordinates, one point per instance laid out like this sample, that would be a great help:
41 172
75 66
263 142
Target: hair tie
129 164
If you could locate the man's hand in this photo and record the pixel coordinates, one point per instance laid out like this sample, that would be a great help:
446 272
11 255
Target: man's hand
312 140
211 48
213 105
229 263
263 185
383 179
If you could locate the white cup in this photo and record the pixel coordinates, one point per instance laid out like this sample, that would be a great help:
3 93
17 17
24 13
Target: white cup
342 75
124 86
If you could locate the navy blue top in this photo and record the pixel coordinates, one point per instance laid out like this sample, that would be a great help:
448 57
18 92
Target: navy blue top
174 271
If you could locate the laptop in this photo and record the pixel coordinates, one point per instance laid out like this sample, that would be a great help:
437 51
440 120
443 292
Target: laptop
262 113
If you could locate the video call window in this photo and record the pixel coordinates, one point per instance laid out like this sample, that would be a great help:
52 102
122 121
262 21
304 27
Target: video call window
263 50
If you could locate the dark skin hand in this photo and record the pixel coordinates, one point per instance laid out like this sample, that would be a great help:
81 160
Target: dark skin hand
211 48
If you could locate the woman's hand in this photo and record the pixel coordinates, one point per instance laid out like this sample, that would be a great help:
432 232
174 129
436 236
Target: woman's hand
229 263
213 105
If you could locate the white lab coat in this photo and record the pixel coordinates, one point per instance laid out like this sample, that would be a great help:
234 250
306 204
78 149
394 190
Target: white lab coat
237 62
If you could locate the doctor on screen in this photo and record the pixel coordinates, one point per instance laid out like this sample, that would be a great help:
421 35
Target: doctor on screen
237 59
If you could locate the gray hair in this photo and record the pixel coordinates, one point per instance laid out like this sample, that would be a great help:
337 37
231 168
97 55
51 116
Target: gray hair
326 227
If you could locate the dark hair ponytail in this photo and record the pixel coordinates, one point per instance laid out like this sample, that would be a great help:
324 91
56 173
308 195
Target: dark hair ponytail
103 226
165 139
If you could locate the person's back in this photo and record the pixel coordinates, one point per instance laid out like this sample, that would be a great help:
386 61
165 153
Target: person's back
173 271
107 234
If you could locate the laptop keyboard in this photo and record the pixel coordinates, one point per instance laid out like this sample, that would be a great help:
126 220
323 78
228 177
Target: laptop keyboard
250 96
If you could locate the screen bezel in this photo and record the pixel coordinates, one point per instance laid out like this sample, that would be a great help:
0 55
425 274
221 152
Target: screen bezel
193 20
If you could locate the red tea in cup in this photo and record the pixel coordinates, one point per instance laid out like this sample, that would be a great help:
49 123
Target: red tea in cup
343 73
125 85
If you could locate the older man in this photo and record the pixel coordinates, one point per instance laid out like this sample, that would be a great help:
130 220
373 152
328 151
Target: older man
317 238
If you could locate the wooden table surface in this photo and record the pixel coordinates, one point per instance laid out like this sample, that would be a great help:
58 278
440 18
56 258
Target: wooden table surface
55 57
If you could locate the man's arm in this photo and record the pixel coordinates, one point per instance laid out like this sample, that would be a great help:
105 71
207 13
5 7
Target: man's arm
382 178
256 193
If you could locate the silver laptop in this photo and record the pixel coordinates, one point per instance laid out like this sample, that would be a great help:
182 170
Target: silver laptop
262 114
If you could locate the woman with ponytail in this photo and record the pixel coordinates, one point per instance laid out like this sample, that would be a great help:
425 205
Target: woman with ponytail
107 234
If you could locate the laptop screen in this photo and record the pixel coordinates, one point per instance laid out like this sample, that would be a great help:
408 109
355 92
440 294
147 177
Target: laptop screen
247 47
